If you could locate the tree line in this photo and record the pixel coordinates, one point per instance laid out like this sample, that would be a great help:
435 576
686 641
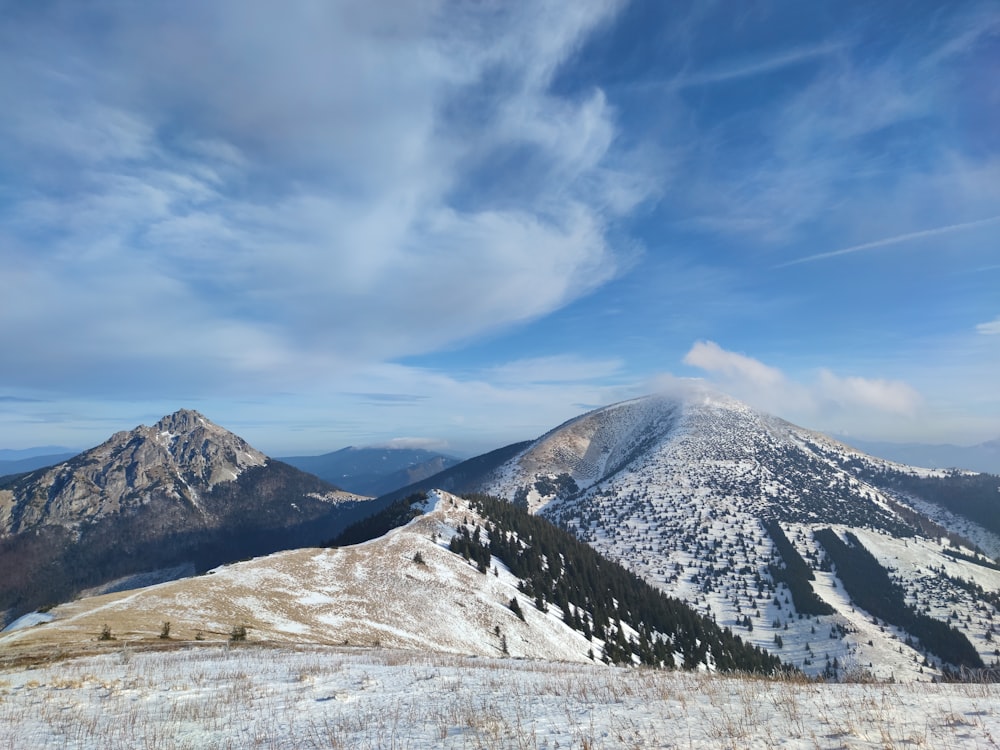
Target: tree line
871 588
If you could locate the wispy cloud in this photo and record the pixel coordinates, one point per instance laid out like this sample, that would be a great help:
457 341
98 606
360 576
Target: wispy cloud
388 398
992 328
413 443
554 369
324 210
864 143
898 239
747 68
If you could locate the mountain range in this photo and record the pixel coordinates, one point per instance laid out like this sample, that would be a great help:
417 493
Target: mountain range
29 459
788 540
982 457
373 471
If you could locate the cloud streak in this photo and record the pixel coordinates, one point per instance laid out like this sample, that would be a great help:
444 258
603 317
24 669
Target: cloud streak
898 239
755 67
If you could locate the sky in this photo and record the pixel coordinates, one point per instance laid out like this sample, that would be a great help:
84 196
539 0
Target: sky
456 225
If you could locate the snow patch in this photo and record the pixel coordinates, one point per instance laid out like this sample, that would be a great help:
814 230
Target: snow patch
28 620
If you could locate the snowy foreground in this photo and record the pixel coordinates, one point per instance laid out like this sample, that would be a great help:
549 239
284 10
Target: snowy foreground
253 696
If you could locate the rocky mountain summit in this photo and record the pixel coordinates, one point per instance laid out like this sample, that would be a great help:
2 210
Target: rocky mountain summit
183 492
183 456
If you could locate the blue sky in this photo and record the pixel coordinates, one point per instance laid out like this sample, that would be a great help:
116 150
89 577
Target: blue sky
459 224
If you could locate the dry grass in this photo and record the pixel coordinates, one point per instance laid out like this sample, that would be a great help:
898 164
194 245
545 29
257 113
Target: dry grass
179 696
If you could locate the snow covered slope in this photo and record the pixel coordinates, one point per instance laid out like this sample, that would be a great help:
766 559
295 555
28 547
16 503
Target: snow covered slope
680 490
402 590
328 697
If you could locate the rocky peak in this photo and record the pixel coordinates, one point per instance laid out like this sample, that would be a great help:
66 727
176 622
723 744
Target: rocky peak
182 421
182 457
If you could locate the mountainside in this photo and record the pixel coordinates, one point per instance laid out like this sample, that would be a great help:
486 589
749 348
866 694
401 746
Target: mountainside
184 491
373 471
721 506
431 585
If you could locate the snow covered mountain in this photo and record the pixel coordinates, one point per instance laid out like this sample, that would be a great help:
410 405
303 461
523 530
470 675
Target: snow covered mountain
830 559
720 505
356 647
182 492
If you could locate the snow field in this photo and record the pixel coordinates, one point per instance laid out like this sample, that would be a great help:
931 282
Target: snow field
251 696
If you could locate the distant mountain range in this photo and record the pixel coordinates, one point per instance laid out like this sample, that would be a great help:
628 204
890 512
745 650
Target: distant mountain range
373 471
982 457
182 492
29 459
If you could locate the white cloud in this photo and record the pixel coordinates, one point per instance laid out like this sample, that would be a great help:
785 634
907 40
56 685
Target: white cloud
273 191
825 400
992 328
414 443
708 355
891 396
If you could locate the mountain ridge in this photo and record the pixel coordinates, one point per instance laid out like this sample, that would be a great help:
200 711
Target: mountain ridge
411 587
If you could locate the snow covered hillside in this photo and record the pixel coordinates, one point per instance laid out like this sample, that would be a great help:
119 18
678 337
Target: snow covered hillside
681 491
330 697
402 590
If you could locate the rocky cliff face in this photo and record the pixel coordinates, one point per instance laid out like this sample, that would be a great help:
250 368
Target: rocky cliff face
183 456
182 491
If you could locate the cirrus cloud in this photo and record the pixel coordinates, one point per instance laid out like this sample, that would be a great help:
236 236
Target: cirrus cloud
283 194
